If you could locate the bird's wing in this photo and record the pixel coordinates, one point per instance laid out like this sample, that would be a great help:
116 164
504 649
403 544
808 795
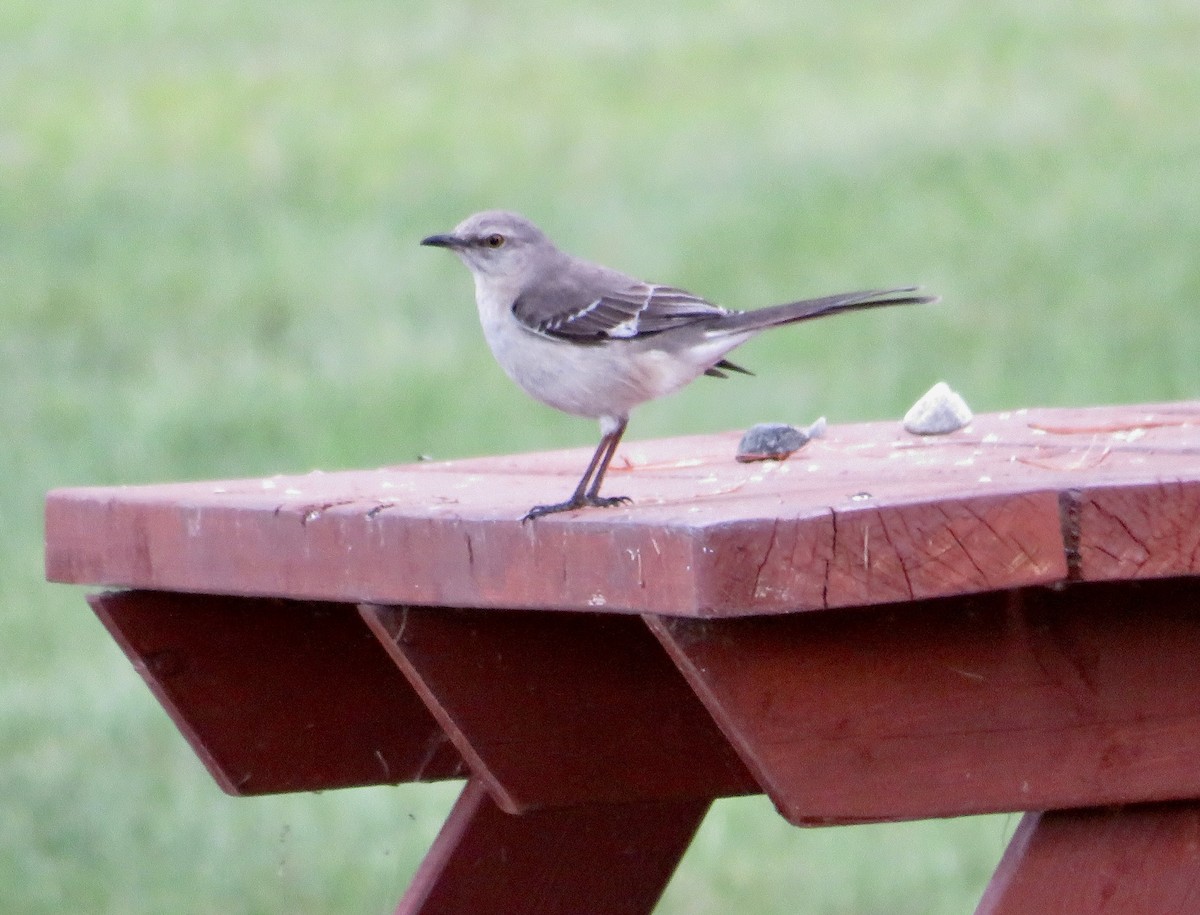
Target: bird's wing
635 310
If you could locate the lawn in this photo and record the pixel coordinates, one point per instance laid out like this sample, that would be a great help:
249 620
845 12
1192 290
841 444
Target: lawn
209 216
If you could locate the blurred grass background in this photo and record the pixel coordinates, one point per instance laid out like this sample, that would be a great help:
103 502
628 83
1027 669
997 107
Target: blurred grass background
209 217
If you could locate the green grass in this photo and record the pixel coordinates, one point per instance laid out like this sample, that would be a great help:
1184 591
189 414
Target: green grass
208 267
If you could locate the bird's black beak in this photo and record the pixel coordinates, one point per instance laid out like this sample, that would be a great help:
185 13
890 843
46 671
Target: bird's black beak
443 241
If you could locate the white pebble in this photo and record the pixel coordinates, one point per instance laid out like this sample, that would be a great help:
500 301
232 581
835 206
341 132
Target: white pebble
940 411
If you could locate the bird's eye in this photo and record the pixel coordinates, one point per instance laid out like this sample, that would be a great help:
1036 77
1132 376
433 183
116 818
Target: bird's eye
495 240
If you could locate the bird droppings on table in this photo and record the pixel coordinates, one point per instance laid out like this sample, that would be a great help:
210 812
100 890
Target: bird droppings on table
194 522
1130 435
939 411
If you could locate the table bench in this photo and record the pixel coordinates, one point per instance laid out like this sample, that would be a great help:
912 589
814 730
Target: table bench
883 627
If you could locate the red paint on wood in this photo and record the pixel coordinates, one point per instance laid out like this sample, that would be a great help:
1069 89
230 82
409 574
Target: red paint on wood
557 709
1017 701
1129 532
603 859
279 695
872 553
867 514
1137 860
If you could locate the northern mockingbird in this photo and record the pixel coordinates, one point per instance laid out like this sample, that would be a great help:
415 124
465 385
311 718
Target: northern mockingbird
591 341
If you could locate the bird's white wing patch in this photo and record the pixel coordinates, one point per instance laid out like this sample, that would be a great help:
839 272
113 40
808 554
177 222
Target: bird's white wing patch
638 310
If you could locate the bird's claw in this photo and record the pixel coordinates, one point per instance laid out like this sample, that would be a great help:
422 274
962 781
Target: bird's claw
584 501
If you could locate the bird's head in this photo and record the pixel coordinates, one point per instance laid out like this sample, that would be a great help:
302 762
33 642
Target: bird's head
495 243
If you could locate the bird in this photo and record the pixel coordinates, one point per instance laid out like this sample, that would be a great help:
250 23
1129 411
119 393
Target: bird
594 342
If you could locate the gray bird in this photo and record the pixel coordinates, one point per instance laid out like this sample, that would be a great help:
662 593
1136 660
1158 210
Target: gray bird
592 341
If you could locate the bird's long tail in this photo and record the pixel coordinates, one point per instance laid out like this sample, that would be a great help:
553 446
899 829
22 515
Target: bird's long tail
789 312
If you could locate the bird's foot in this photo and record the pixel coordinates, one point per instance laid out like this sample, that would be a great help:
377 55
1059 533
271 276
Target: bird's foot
583 501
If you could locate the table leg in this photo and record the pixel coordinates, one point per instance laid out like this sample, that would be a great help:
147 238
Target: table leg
1129 860
606 859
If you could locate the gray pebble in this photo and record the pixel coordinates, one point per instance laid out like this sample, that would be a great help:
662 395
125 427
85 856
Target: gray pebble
775 441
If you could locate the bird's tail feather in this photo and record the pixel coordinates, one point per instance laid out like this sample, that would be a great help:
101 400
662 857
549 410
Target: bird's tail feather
789 312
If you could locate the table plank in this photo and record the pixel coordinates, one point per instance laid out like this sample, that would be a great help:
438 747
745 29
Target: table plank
868 514
277 695
557 709
1019 700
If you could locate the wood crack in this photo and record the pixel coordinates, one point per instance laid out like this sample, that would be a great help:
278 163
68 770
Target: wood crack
833 518
766 557
887 538
1069 501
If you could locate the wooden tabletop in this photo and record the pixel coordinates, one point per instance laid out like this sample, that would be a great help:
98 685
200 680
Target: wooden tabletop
868 514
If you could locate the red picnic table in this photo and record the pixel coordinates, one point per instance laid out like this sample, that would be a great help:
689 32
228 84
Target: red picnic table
882 627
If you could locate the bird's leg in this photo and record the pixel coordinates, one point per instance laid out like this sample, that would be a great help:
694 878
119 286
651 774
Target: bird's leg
586 495
592 496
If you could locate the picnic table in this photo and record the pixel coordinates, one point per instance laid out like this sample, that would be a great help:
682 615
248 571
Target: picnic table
882 627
